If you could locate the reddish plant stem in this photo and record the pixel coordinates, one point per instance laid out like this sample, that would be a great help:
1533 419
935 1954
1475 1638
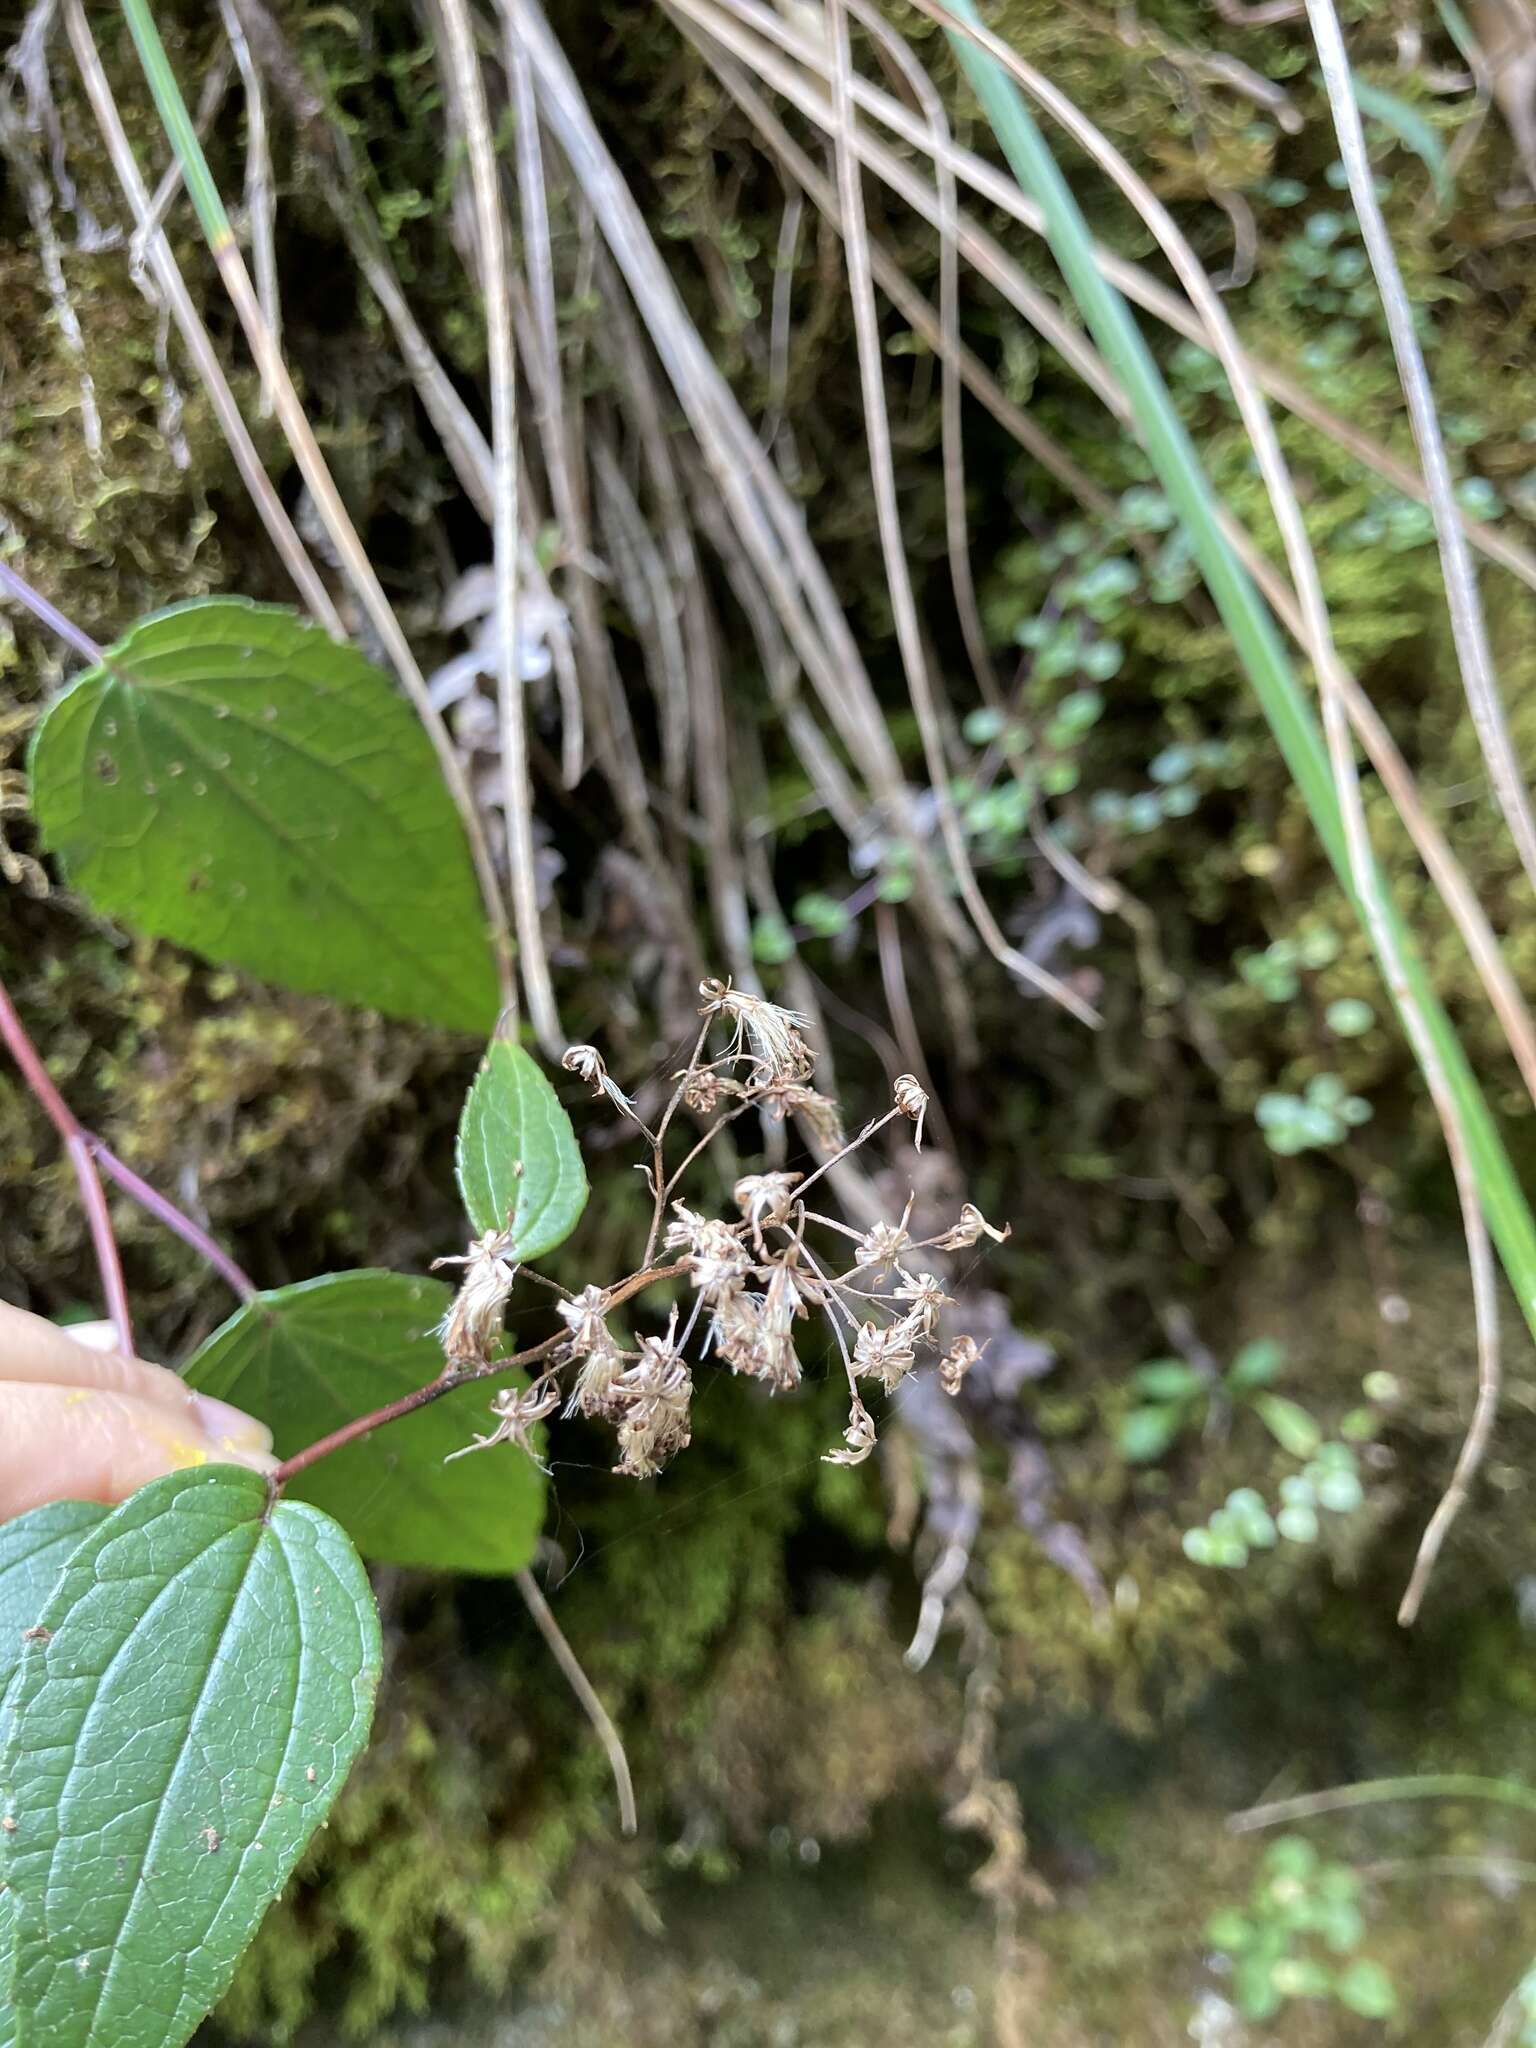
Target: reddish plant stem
175 1220
449 1383
78 1145
49 614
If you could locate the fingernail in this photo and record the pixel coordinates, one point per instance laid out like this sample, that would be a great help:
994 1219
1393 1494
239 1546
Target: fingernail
229 1428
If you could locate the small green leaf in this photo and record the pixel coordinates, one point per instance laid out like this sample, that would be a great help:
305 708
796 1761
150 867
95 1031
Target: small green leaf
1147 1432
1167 1379
173 1741
517 1155
1366 1988
1412 129
1290 1425
230 778
1255 1365
308 1358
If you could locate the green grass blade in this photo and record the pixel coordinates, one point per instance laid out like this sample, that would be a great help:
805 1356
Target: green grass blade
1247 618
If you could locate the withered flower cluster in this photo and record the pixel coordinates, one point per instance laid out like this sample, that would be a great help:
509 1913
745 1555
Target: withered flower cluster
756 1282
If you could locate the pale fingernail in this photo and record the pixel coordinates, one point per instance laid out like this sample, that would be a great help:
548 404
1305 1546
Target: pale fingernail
229 1428
253 1461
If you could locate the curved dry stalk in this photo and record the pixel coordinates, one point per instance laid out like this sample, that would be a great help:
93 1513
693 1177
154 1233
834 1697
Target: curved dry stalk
758 36
485 180
260 197
1469 629
951 440
591 1705
897 574
168 277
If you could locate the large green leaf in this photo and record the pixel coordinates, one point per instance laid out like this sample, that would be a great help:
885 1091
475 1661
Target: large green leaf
308 1358
33 1549
517 1155
230 778
202 1680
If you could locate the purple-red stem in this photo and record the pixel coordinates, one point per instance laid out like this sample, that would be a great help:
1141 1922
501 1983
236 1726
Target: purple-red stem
175 1220
49 614
449 1383
78 1145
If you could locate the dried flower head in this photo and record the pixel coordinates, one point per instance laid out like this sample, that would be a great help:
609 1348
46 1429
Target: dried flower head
782 1303
652 1399
587 1062
472 1327
704 1089
517 1409
886 1355
957 1362
927 1298
911 1099
595 1392
583 1316
972 1227
859 1436
714 1255
771 1033
883 1243
780 1097
765 1198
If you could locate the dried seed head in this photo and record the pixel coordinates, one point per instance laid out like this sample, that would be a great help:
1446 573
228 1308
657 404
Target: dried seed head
957 1362
517 1409
969 1230
883 1244
927 1298
472 1327
765 1197
771 1033
780 1098
886 1355
703 1089
911 1099
653 1398
782 1303
714 1255
595 1391
859 1436
583 1316
587 1061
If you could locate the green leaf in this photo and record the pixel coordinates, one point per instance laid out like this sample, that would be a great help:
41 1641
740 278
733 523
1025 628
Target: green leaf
1290 1425
33 1549
1366 1988
308 1358
32 1553
1255 1365
1412 129
1147 1432
173 1743
1167 1379
230 778
517 1155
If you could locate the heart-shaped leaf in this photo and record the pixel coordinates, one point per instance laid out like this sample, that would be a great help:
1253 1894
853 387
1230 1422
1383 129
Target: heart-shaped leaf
308 1358
201 1683
517 1155
231 778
